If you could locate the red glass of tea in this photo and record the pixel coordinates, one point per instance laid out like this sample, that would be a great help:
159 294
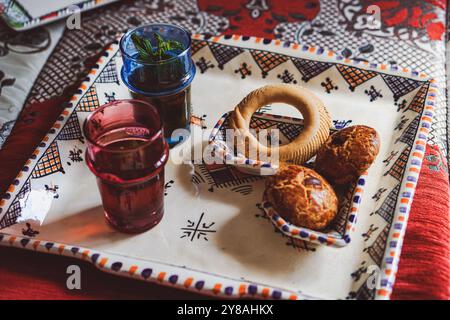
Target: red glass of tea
127 152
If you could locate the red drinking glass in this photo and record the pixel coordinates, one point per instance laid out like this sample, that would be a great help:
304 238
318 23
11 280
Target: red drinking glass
126 151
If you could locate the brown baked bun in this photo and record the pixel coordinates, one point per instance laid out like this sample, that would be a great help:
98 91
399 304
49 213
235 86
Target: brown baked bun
301 196
347 154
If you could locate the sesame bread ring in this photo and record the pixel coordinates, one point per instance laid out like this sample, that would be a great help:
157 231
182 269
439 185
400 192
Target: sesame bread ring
317 121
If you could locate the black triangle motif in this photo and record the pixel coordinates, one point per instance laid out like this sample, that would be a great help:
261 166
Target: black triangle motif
365 293
223 176
197 45
72 129
387 208
89 102
14 211
310 69
290 131
418 102
398 167
376 250
109 73
258 123
355 76
267 60
400 85
223 53
409 133
49 163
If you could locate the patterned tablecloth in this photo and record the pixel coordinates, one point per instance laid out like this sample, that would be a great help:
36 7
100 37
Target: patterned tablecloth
22 56
407 33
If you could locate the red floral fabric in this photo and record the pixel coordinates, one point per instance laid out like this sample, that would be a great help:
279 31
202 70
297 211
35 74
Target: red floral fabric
243 16
260 17
411 14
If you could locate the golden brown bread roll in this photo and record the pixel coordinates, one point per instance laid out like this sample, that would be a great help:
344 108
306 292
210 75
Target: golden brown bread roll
301 196
347 154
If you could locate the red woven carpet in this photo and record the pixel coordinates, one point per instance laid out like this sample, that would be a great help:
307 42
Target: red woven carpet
424 265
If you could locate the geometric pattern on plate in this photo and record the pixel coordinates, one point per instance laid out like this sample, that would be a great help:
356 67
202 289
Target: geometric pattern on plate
267 61
89 102
387 208
355 76
223 176
400 85
409 134
376 250
416 104
197 46
49 163
72 129
398 168
310 68
224 54
14 210
109 74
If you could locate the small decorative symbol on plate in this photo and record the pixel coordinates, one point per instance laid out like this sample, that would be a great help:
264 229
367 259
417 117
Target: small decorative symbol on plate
262 214
244 70
197 229
341 124
5 81
401 105
366 235
401 124
356 275
75 155
378 194
110 97
388 160
287 77
29 232
167 186
329 85
199 121
373 93
52 189
204 65
245 190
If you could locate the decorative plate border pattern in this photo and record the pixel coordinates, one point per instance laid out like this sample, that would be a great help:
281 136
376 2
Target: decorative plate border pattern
330 56
396 233
18 19
161 273
408 187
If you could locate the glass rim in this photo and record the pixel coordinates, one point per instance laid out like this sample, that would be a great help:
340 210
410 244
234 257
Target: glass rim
158 133
129 32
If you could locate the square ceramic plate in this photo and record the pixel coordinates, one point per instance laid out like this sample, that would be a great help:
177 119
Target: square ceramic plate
215 238
338 234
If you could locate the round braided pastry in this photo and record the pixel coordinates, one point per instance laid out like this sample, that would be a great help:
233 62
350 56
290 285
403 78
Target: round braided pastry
317 121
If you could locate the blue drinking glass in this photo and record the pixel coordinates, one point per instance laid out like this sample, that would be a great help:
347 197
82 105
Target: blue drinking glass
166 84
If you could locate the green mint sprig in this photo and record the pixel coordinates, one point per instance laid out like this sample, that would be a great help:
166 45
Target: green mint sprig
154 54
